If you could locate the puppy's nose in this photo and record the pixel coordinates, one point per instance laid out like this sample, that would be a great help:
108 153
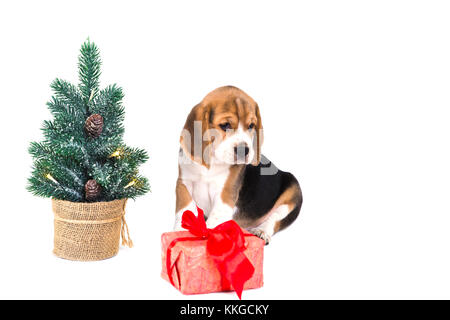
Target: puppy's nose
241 149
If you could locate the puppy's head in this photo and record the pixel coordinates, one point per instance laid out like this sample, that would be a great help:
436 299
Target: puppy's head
224 128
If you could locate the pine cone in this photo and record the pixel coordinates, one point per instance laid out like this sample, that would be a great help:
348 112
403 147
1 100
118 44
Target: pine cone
92 190
94 125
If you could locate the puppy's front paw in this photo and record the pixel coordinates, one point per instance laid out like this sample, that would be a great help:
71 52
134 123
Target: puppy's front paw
261 234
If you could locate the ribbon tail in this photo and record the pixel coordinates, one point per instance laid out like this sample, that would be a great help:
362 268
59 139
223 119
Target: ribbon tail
237 271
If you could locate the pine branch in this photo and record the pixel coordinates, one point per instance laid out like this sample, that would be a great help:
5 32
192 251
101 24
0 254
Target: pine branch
39 184
89 64
108 103
69 94
64 167
66 142
138 188
66 112
39 150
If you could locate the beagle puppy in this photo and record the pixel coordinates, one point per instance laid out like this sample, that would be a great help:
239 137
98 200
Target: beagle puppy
221 168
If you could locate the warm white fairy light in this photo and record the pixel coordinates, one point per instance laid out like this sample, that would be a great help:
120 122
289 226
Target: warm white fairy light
132 182
92 95
49 177
117 153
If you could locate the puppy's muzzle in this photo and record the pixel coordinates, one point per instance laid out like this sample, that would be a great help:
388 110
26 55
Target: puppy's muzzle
241 152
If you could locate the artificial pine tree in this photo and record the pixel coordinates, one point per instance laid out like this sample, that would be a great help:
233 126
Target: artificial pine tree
83 157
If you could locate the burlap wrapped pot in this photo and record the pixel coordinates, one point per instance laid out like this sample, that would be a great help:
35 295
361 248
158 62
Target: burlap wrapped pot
89 231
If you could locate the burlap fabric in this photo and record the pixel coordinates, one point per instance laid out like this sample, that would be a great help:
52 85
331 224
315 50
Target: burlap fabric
89 231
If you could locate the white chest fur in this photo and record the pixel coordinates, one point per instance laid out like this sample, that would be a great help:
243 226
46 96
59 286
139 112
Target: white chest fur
205 185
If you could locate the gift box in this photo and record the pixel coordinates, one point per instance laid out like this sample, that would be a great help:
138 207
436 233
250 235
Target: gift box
205 260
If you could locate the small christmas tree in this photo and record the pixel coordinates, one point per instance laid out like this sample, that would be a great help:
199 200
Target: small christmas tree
83 157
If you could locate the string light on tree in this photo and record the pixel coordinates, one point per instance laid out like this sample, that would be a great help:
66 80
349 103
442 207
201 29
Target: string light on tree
132 183
117 154
92 95
50 177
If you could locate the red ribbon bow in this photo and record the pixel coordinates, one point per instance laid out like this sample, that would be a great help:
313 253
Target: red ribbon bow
225 244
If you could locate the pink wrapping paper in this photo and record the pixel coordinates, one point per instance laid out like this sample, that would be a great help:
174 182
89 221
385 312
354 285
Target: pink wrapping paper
195 272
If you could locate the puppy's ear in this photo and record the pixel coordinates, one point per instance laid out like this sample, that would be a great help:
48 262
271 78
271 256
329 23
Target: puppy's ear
191 140
257 143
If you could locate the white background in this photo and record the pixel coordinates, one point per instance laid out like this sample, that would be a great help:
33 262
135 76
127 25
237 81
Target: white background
354 97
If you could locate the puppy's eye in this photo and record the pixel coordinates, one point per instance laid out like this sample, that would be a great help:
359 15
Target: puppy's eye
225 126
251 126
